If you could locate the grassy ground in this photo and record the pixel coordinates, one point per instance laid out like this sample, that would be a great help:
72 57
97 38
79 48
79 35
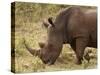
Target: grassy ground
30 27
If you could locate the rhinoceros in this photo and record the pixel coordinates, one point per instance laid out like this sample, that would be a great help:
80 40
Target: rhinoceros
73 25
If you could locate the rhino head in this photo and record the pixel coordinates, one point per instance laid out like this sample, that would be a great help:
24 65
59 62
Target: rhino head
50 50
48 53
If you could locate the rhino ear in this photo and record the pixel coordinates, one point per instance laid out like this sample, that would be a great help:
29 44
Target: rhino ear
51 22
41 44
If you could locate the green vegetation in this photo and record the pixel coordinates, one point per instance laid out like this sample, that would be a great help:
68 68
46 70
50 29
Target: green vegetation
28 25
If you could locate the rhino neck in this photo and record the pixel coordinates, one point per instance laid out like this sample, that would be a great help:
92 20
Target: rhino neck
62 18
61 23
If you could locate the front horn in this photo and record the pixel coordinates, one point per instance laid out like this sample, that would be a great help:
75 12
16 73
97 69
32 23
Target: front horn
34 52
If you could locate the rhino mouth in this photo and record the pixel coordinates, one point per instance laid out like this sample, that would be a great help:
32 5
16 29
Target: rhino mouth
49 62
46 61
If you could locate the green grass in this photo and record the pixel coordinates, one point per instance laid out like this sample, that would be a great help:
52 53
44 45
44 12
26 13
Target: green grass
29 26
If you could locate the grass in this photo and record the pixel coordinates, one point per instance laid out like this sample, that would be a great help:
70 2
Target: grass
33 32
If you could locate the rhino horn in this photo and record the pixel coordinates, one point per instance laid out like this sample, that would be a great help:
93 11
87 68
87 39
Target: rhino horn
34 52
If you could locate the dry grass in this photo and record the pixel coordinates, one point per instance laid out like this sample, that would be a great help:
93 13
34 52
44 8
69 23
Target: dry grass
25 62
33 32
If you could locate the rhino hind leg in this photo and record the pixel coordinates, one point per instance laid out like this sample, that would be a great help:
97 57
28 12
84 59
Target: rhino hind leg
81 43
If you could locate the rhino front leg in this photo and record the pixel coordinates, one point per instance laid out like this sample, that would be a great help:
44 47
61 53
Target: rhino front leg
81 43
